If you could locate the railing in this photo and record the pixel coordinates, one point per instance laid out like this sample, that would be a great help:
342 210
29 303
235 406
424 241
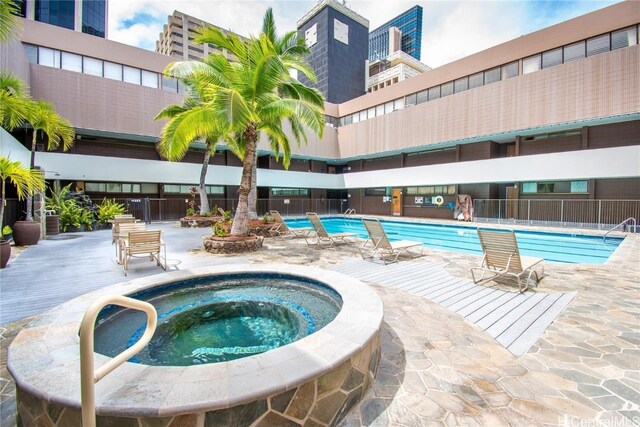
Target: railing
622 224
171 209
599 214
90 376
349 212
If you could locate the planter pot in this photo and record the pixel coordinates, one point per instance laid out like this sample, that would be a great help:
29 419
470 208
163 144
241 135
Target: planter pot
5 253
52 223
232 244
26 233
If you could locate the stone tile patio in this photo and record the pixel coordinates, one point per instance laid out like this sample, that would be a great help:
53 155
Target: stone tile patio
439 369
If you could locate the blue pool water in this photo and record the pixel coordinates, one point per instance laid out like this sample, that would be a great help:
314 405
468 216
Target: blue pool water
553 247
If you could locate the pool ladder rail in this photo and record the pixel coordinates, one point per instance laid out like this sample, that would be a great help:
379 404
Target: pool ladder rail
349 212
89 376
630 220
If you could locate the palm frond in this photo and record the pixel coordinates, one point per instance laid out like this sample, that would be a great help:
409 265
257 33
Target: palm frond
185 128
9 24
26 181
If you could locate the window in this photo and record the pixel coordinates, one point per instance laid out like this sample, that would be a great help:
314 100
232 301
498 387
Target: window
552 57
375 192
434 93
476 80
598 45
32 53
388 107
95 187
356 117
531 64
214 189
71 62
422 97
363 115
131 75
92 66
371 112
48 57
558 187
149 79
112 71
510 70
431 190
622 38
130 188
398 104
169 84
410 100
460 85
290 191
346 120
492 75
574 51
114 187
446 89
149 188
380 110
197 49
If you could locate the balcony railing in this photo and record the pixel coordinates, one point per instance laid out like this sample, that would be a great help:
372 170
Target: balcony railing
598 214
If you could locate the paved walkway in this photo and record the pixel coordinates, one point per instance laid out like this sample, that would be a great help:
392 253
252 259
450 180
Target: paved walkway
437 367
516 320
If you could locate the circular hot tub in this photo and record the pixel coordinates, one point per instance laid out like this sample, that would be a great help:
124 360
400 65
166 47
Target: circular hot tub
235 345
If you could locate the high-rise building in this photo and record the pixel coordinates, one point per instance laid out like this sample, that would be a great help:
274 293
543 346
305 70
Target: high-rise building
337 37
410 25
178 34
87 16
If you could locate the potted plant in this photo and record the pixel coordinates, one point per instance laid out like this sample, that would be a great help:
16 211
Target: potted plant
27 181
5 245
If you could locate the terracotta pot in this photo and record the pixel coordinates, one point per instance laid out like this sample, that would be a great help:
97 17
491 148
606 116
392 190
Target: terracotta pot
26 233
5 253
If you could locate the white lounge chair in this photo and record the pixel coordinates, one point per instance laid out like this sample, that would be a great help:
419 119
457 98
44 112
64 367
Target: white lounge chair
144 243
320 236
123 234
384 248
502 259
281 229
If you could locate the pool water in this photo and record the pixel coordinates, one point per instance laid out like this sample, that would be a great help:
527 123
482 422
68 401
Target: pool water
219 318
553 247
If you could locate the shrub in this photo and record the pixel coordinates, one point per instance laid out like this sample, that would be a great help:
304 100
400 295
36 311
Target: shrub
108 210
220 228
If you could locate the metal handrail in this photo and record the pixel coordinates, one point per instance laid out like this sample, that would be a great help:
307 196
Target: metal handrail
90 376
349 211
630 219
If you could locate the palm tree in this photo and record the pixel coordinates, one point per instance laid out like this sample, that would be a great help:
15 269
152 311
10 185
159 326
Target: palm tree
26 181
254 96
44 120
14 101
9 24
189 122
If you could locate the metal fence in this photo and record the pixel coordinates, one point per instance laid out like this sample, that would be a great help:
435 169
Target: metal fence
600 214
154 209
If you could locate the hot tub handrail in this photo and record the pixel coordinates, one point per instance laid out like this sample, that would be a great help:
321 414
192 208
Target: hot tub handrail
90 376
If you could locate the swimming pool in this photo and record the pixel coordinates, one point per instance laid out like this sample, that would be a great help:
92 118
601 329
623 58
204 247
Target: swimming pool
553 247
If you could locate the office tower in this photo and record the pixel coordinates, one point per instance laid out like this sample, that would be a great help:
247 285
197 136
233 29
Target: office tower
87 16
177 37
338 38
410 25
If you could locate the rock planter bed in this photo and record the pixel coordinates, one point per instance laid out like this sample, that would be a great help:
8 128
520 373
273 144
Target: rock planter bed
198 221
232 244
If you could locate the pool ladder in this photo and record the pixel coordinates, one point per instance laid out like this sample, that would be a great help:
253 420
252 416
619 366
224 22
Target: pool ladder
349 212
89 376
631 220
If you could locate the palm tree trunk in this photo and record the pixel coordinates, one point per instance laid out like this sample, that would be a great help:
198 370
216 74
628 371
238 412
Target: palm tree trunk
253 194
240 226
202 190
31 166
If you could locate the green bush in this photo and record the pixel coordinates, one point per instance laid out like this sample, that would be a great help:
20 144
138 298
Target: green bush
73 215
220 228
108 210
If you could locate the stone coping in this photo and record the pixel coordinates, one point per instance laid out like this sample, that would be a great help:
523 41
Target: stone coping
44 358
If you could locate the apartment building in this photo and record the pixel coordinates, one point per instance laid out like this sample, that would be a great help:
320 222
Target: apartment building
86 16
554 114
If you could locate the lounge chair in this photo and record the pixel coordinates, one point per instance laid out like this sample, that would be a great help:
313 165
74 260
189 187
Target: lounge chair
123 234
382 247
143 243
281 229
502 259
117 220
320 236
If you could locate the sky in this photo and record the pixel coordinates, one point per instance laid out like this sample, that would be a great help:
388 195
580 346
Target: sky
451 29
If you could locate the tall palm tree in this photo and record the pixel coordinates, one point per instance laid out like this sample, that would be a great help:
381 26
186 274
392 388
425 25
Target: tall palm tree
255 95
26 181
189 123
46 122
9 24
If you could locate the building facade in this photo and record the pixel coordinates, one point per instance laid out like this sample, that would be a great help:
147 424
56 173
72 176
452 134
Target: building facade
410 25
337 38
551 115
86 16
178 34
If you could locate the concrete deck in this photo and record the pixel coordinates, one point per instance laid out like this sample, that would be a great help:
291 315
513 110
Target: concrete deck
438 368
